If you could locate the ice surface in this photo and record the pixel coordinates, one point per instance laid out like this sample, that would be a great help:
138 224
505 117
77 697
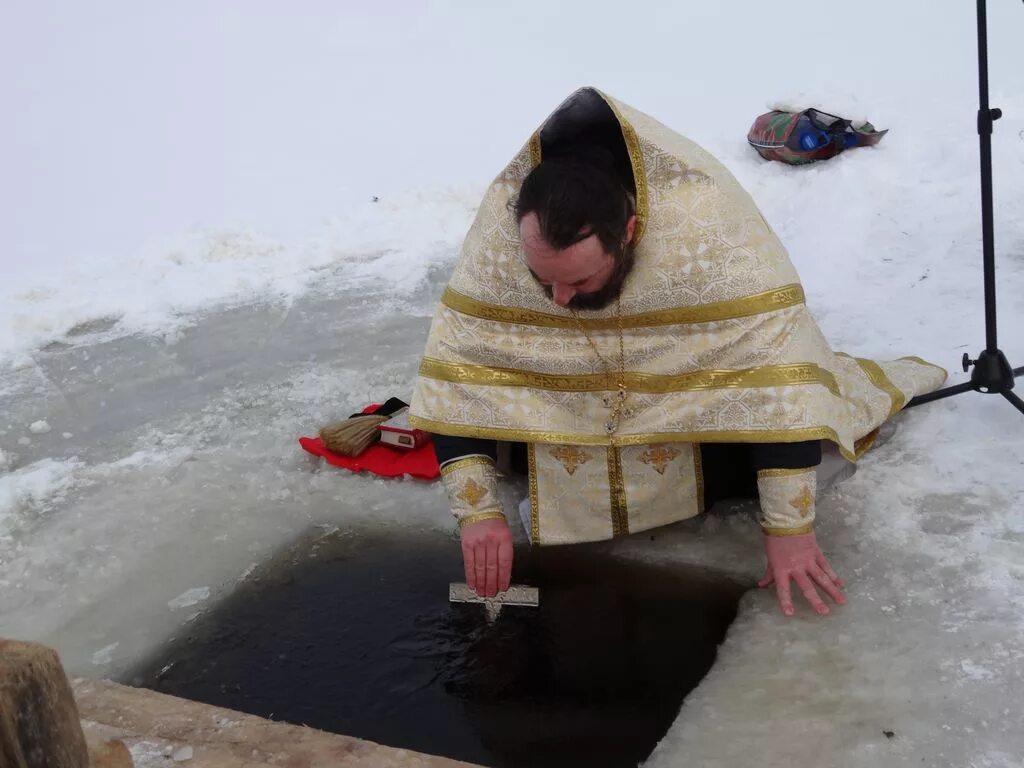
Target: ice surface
184 467
187 290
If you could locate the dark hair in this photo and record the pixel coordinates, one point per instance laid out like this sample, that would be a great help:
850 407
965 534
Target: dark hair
574 197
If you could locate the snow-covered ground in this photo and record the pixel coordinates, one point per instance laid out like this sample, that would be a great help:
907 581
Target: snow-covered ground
195 272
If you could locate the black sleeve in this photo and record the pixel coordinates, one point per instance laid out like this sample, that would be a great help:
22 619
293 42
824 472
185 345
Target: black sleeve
786 455
447 447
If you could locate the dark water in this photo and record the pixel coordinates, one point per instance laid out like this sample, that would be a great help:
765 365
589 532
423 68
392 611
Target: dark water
354 634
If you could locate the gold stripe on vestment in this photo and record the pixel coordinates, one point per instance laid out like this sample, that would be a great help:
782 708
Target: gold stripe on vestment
641 383
862 446
531 458
535 149
646 438
456 464
617 492
784 472
768 301
878 377
698 469
636 160
491 514
919 361
803 529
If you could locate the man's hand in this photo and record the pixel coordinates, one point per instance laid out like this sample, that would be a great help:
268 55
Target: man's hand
487 554
799 558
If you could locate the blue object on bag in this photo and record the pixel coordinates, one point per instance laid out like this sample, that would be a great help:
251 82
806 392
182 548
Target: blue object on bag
813 139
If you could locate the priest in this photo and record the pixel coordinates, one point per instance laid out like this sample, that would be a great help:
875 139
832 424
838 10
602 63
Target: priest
623 318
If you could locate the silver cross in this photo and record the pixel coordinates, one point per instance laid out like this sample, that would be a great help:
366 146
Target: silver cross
517 594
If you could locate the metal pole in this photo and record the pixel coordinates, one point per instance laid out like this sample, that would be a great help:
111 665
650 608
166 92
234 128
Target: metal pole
985 118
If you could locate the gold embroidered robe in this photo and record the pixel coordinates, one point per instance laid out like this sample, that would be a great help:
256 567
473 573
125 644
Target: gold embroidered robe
719 347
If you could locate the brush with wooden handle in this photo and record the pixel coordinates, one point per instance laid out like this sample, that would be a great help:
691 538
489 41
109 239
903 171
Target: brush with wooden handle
360 430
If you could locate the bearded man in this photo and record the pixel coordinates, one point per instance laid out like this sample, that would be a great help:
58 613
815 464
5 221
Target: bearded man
623 315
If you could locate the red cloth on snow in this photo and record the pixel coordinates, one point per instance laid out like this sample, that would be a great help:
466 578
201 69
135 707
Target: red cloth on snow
381 459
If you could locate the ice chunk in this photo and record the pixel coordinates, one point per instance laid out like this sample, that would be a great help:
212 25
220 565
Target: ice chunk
104 655
189 598
35 487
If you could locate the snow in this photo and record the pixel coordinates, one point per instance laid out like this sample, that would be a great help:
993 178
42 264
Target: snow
189 239
160 290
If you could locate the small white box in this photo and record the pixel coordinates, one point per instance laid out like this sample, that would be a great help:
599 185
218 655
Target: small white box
398 432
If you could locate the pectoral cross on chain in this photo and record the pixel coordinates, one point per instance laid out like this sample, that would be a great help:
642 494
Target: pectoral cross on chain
617 404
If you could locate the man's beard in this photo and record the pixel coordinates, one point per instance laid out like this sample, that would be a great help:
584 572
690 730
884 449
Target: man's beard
608 293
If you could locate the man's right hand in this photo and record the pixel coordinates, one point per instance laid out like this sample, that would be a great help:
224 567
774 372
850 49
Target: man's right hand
487 554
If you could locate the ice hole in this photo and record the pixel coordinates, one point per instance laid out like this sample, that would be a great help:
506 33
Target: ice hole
353 633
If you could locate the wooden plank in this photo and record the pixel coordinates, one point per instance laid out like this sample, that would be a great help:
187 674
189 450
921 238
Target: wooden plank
155 725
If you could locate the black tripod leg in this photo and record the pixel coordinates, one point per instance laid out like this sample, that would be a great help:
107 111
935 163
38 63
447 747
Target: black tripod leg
957 389
940 394
1015 400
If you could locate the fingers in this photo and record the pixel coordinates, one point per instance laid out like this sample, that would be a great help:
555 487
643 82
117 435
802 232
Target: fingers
767 579
505 552
785 598
469 561
826 583
480 555
491 569
823 564
810 593
487 554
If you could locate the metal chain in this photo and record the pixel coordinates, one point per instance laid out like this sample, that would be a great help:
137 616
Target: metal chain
618 406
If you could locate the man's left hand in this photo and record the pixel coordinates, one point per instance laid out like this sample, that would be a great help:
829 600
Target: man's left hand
800 559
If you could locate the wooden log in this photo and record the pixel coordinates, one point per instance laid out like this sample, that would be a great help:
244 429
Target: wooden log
39 725
222 738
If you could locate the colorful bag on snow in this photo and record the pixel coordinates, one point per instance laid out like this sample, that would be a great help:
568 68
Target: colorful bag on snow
805 137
